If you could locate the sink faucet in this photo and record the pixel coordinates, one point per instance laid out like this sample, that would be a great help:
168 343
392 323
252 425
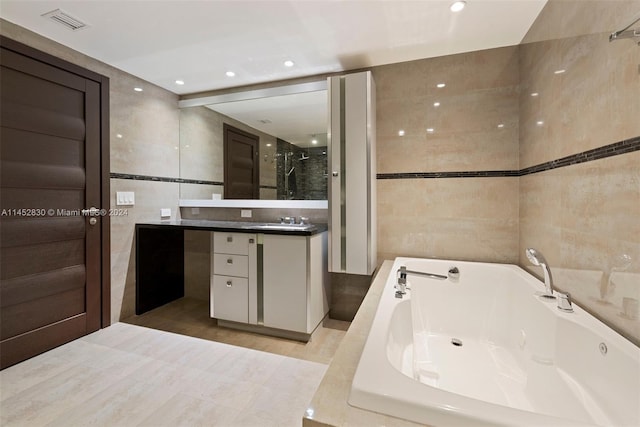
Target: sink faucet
537 259
287 220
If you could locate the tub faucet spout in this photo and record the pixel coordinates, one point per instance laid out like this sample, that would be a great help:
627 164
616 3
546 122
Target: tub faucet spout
401 275
537 259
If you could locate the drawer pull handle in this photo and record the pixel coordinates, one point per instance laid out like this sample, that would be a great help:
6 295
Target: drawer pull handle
229 239
229 284
230 261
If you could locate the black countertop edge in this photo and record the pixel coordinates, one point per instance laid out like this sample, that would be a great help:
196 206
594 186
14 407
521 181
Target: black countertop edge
228 226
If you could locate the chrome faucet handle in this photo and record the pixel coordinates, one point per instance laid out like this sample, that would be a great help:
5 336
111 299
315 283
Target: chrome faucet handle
304 220
282 218
402 272
292 220
401 286
564 302
454 274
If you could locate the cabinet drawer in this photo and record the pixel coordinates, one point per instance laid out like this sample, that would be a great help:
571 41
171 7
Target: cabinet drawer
231 265
230 298
232 243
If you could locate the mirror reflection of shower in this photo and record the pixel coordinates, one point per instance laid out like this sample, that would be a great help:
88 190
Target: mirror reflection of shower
301 171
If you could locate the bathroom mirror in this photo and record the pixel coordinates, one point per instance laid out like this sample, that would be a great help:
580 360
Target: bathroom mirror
291 125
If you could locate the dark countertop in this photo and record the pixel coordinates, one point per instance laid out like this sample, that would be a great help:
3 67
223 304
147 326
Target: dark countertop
237 226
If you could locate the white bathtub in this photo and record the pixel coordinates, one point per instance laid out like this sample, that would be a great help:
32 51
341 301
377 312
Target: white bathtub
522 361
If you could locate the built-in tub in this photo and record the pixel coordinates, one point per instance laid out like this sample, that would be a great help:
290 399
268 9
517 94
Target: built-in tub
522 361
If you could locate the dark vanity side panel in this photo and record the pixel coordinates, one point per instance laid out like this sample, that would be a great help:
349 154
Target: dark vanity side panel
159 266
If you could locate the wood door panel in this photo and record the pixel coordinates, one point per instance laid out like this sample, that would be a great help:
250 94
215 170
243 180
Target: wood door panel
54 130
35 148
20 347
26 117
51 73
26 260
20 318
29 175
28 198
25 288
33 231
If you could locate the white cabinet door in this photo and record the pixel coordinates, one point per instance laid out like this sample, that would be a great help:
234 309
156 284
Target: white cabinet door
231 265
232 243
229 297
234 288
352 184
285 280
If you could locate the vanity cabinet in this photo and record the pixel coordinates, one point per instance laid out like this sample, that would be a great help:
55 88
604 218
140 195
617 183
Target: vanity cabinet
269 283
233 287
295 277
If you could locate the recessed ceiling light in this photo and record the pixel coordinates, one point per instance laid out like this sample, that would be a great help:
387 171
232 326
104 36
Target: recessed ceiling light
441 85
289 63
230 73
314 141
501 125
430 130
436 104
119 135
559 71
180 82
137 89
457 6
539 122
401 132
268 145
534 94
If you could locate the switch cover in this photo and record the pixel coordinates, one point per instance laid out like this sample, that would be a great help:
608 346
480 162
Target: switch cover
125 198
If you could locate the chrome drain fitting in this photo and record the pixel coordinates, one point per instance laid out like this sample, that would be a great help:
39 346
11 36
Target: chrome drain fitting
456 342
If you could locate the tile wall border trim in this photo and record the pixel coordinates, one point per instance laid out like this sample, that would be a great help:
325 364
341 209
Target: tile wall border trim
136 177
615 149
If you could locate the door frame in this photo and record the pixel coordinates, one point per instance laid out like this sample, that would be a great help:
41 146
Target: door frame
226 128
105 223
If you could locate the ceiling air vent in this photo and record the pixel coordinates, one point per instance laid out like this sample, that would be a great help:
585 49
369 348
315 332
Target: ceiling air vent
63 18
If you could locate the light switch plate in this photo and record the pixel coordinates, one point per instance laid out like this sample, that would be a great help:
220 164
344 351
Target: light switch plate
245 213
165 213
125 198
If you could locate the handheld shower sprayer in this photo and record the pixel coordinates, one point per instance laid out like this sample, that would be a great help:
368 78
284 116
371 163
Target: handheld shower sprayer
537 259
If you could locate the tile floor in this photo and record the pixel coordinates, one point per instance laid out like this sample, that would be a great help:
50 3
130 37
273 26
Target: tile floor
128 375
190 317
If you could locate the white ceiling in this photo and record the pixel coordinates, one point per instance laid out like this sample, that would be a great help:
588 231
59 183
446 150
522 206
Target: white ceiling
198 41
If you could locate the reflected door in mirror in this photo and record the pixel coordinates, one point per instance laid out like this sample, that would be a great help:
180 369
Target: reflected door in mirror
241 167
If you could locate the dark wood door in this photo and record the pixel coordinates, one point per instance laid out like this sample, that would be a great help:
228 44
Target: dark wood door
50 159
241 167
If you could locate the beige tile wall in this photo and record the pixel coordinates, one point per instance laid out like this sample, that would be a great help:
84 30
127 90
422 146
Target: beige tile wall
583 218
148 125
459 218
